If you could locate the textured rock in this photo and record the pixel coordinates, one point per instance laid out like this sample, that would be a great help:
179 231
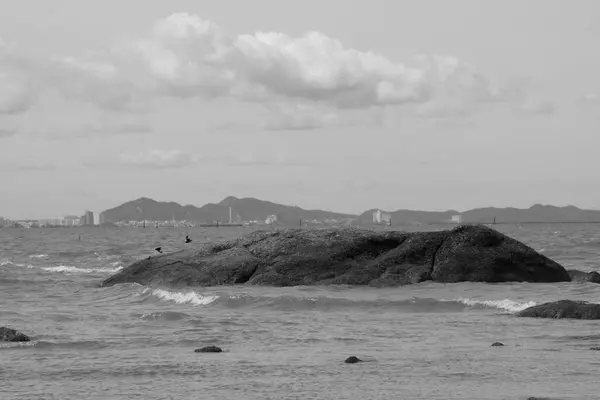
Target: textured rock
352 360
580 276
209 349
563 309
349 256
11 335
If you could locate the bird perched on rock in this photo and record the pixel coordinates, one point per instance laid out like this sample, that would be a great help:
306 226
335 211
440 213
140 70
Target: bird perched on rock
187 239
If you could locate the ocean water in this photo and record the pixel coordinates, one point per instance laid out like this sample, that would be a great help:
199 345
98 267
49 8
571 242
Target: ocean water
426 341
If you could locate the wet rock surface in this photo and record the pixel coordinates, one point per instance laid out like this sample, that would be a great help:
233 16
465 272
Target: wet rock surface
581 276
12 335
497 344
568 309
352 360
208 349
292 257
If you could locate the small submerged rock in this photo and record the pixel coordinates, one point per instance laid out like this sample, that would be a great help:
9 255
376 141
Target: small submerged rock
208 349
496 344
595 348
563 309
581 276
352 360
12 335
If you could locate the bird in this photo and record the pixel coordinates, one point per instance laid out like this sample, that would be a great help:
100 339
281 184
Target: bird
187 239
159 249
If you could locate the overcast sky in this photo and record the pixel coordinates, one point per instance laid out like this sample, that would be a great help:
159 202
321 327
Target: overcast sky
429 104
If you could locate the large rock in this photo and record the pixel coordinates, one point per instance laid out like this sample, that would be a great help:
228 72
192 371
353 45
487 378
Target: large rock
349 256
563 309
12 335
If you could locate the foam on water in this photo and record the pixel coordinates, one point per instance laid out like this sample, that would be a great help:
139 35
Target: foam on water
71 269
506 304
183 297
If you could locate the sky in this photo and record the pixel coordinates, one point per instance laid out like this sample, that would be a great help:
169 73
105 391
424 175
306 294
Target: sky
391 104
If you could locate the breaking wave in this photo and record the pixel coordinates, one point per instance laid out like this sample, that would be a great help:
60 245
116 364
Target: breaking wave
73 270
324 303
183 297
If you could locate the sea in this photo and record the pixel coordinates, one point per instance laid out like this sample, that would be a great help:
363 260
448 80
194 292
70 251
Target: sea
424 341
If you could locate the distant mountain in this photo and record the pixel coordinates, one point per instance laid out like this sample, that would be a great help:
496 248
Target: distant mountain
251 209
536 213
246 209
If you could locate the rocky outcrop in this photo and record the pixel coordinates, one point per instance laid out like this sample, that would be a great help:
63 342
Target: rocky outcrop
580 276
349 256
563 309
352 360
209 349
12 335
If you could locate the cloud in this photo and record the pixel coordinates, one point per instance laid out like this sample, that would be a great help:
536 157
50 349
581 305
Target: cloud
185 56
17 92
6 132
98 125
299 117
190 56
538 107
589 99
267 157
157 159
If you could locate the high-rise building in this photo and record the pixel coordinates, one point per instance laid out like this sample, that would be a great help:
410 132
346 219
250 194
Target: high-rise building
96 218
87 219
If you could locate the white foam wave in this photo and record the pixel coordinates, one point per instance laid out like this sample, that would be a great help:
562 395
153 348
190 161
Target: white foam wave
8 262
506 304
38 255
71 269
183 298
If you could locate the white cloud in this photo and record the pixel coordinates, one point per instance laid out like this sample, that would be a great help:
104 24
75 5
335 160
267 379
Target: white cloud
157 159
189 56
16 89
6 132
538 106
185 56
299 117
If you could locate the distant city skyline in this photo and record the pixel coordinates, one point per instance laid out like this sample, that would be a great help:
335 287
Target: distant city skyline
427 105
379 214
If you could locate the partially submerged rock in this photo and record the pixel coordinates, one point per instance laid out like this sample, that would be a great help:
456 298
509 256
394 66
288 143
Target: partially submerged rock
581 276
497 344
563 309
349 256
209 349
352 360
12 335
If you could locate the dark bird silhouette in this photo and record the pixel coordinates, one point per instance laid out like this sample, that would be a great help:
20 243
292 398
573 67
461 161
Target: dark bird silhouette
159 249
187 239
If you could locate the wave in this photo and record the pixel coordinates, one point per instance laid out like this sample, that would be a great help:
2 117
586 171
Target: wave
9 262
506 304
324 303
183 297
70 269
164 316
38 256
41 344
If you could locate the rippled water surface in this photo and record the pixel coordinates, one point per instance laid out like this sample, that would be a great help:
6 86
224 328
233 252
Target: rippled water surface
426 341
